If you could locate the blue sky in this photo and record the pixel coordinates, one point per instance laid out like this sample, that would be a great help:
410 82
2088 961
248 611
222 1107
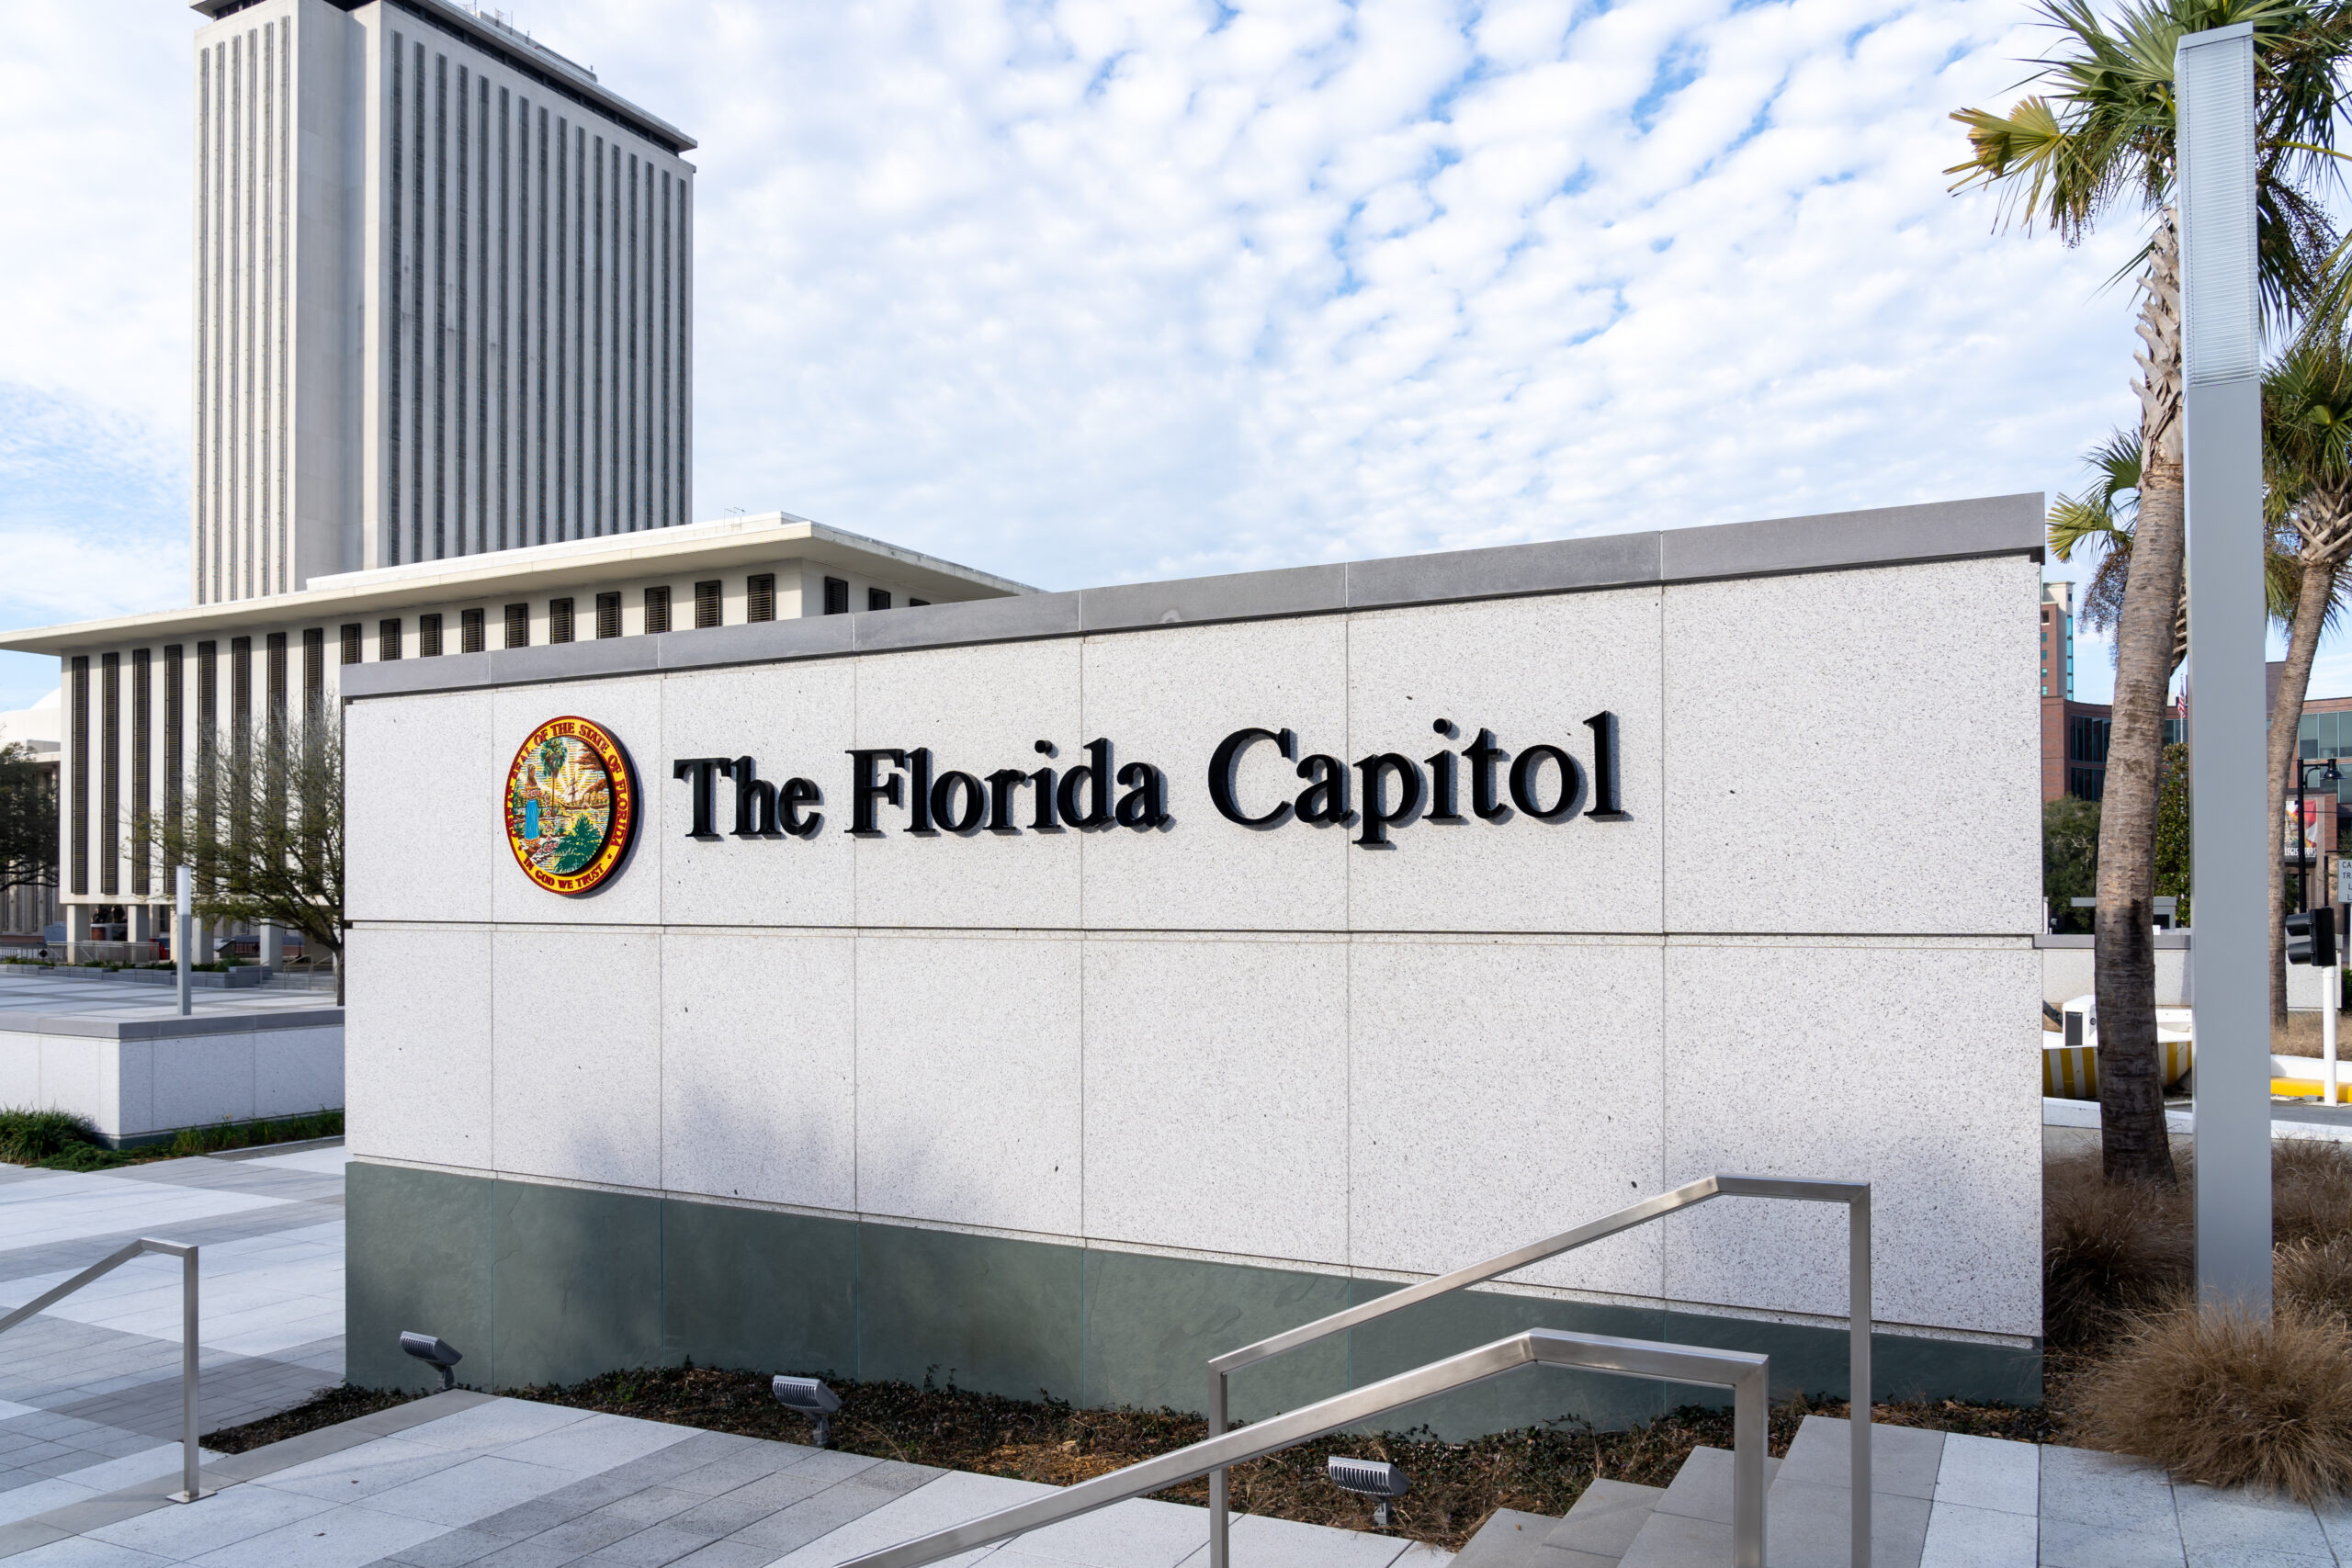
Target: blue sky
1083 293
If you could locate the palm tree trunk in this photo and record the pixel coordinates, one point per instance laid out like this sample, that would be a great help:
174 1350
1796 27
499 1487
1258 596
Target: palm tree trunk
2311 600
2286 722
2134 1141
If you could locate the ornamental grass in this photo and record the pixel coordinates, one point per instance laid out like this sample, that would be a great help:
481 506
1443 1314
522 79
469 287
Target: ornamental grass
2109 1250
2218 1397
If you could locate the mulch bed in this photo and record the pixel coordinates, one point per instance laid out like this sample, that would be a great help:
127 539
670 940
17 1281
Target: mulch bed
1541 1470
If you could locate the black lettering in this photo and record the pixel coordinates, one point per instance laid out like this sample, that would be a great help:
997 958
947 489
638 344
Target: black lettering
1443 805
700 774
865 790
919 795
1325 798
1606 804
959 815
1094 776
1146 803
1482 755
1001 783
754 802
795 793
1378 815
1043 781
1522 782
1225 761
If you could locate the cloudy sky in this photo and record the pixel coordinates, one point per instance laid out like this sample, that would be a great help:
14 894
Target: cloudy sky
1095 292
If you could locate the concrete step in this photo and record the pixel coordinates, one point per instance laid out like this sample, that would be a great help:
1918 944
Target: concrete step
1806 1514
1689 1526
1596 1532
1508 1539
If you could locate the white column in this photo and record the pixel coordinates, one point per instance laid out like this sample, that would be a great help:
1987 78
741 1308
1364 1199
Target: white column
2213 73
273 947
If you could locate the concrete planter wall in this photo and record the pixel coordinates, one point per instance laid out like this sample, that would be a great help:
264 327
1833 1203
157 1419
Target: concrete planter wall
142 1078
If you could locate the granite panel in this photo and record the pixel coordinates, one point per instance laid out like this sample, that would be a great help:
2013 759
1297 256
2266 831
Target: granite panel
1217 1095
576 1018
1993 524
422 760
1865 1043
1023 615
1795 699
630 708
571 661
20 1066
1168 698
1152 1323
968 1089
978 711
203 1079
134 1082
1244 596
1501 1090
982 1313
759 1068
421 1249
1419 1335
72 1077
795 721
296 1071
1550 567
579 1281
758 1290
1468 666
417 1058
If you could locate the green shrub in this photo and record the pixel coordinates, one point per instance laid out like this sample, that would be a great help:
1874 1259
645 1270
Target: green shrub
254 1134
27 1137
87 1157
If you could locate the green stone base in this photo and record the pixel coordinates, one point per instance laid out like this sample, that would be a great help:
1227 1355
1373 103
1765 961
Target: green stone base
541 1285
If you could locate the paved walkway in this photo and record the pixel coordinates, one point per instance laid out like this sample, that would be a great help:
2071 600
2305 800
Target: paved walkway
90 1389
53 993
464 1478
89 1416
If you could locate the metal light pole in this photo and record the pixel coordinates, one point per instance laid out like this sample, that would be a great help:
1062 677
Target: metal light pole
2329 773
2231 838
183 922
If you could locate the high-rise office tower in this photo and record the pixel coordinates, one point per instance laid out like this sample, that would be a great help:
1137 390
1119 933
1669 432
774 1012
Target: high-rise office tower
443 300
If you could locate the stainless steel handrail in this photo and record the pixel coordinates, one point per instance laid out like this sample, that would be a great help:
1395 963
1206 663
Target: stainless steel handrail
1746 1373
186 1252
1855 1195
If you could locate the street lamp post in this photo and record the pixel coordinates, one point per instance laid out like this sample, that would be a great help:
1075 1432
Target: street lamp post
2328 774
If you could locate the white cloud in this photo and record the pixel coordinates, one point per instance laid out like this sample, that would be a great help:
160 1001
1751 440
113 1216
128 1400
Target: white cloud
1089 291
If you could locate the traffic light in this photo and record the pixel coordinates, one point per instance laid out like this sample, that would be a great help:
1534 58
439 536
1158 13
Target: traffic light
2311 938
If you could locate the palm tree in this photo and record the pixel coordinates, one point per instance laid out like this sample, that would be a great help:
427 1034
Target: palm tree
2103 135
2102 521
2307 459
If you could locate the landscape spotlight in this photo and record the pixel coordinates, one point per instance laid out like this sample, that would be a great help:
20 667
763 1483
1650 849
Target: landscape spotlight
1369 1478
434 1352
808 1396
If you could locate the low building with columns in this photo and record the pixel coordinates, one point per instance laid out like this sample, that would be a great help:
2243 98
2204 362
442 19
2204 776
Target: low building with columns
141 692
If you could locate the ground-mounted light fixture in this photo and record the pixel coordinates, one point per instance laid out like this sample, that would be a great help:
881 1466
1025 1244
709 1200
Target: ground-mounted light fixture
1369 1478
812 1398
435 1353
